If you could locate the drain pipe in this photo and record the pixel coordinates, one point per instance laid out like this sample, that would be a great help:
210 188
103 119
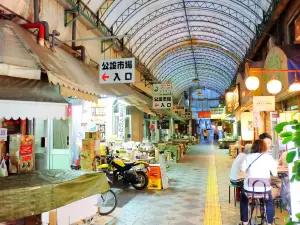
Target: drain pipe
41 31
74 47
53 35
37 19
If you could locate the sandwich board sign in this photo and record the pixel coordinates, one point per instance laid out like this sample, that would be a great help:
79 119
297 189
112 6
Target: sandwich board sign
116 71
163 102
162 88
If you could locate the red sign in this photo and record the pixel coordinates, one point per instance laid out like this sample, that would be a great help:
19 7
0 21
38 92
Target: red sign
25 149
69 111
26 158
204 114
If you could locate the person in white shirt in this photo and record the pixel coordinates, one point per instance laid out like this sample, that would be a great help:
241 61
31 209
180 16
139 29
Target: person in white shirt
258 165
236 175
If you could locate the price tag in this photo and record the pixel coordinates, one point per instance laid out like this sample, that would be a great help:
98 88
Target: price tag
3 134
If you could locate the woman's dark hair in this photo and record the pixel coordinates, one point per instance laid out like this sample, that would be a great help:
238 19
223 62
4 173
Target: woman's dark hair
259 146
265 135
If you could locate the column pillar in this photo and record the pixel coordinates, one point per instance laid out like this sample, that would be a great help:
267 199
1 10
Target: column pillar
190 110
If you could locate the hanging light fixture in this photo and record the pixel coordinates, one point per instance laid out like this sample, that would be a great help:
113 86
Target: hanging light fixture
252 83
196 80
274 86
295 86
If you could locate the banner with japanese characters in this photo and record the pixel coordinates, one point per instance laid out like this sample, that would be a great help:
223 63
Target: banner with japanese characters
115 71
179 110
162 88
163 102
121 125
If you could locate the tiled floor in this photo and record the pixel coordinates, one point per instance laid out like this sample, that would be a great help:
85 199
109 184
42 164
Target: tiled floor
185 202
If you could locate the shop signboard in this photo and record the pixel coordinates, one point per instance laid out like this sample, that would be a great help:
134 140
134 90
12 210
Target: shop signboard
264 103
114 71
232 99
162 88
163 102
204 114
98 111
247 126
186 116
179 110
121 127
217 113
3 134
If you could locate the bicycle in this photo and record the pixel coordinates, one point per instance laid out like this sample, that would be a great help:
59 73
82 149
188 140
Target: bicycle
107 201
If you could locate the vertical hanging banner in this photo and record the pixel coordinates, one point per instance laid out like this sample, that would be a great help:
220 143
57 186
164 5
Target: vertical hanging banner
247 126
115 71
163 102
121 127
256 122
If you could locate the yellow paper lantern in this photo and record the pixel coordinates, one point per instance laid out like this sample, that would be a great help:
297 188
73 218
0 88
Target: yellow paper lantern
274 86
252 83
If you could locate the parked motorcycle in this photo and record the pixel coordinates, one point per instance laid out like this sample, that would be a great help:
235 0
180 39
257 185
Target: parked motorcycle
117 170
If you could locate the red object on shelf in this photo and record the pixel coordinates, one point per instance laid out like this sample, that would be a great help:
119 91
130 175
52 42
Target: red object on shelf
25 149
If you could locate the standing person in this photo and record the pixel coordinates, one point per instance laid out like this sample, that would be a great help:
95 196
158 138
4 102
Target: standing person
205 134
258 166
268 140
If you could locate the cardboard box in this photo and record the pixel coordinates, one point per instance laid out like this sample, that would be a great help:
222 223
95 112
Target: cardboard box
92 135
88 145
86 160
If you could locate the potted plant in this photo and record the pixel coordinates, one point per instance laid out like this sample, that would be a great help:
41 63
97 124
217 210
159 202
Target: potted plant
293 155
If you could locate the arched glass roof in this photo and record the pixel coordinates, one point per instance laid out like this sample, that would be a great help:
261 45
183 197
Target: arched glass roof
179 40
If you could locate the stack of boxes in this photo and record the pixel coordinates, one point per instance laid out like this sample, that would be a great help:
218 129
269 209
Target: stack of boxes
154 176
91 147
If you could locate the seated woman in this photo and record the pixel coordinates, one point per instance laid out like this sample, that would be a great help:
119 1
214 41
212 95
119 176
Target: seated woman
258 166
236 175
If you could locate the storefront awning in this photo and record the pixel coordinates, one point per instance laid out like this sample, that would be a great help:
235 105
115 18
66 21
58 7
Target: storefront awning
16 59
23 98
62 68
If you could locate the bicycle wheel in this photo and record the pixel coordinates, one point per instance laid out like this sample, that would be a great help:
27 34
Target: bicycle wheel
107 203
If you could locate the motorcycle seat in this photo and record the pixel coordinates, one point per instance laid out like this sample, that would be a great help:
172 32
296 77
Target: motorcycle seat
129 164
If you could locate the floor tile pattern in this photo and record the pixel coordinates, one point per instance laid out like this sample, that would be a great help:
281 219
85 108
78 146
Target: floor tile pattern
193 184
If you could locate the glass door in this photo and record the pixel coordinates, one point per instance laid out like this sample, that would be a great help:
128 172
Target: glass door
60 153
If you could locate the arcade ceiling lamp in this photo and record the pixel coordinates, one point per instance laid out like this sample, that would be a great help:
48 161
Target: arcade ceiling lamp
196 80
295 86
274 86
252 83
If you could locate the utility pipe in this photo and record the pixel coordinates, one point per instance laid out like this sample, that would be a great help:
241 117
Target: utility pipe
54 34
37 19
40 26
275 71
74 47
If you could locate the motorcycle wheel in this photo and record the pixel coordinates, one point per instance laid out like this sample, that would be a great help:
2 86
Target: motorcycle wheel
144 181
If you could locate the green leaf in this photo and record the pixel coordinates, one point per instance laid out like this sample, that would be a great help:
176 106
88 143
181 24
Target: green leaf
287 140
296 127
297 177
298 216
292 179
290 223
296 138
286 134
293 122
290 156
279 127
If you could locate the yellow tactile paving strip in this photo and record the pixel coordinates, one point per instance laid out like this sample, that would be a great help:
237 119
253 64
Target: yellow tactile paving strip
212 203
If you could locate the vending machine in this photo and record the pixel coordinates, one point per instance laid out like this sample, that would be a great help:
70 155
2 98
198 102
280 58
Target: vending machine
21 153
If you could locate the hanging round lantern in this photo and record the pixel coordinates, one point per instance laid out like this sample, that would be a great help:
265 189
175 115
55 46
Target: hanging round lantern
252 83
274 86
